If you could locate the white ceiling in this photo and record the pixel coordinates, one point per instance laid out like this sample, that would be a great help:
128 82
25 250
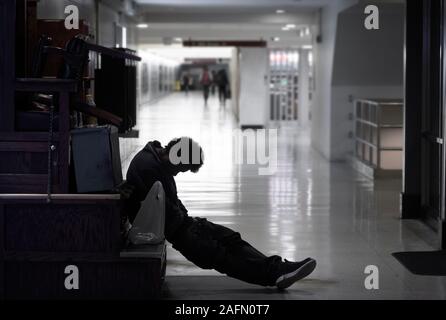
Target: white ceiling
236 3
227 20
201 31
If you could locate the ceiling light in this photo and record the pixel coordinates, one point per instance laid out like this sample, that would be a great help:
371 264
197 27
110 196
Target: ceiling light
307 47
285 28
178 39
307 31
142 25
291 26
280 11
275 39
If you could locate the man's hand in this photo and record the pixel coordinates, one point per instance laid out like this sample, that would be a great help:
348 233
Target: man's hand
124 189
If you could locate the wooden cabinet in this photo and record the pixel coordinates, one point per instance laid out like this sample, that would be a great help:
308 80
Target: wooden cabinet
44 230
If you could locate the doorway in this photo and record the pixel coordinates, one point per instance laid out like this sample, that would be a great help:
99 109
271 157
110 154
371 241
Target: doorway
432 114
424 172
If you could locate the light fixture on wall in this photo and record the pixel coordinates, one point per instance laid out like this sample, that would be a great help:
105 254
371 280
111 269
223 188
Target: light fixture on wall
142 25
124 37
280 11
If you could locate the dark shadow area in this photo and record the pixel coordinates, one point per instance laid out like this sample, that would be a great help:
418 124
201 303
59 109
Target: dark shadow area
221 287
428 263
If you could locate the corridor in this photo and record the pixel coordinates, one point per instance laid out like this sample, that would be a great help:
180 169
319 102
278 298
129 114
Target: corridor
310 207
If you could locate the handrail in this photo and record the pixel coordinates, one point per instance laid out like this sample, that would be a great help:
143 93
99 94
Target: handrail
112 52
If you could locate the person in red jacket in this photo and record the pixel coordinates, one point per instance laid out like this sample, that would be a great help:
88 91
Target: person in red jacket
206 244
206 82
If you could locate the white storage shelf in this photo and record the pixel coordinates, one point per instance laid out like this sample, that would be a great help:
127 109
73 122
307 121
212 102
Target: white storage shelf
379 136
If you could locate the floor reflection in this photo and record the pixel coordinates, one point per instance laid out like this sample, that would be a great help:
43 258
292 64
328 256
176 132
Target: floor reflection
310 207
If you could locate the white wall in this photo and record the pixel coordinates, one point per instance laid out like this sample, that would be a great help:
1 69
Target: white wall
352 62
108 16
107 20
254 86
153 64
367 64
323 57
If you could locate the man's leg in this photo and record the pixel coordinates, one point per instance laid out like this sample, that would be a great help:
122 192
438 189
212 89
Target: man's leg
225 90
206 93
211 246
220 94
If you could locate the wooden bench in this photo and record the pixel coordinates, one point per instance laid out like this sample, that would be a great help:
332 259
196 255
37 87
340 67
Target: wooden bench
39 240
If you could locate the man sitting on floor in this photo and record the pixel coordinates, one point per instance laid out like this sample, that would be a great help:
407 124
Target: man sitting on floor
208 245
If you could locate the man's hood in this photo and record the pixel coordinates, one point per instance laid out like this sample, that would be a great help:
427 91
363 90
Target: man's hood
151 147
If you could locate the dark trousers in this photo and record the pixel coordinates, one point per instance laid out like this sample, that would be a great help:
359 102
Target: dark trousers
212 246
206 92
222 93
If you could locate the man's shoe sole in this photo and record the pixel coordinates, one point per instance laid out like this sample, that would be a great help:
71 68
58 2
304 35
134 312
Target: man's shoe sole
288 279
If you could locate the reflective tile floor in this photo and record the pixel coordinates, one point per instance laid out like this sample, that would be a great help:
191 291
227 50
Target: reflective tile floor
309 207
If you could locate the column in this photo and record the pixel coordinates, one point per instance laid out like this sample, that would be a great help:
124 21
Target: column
303 91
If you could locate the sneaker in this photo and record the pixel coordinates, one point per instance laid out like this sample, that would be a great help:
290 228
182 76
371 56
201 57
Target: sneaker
295 271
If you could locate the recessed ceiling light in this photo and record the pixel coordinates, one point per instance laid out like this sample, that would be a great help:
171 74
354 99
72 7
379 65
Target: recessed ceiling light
291 26
178 39
280 11
307 47
285 28
142 25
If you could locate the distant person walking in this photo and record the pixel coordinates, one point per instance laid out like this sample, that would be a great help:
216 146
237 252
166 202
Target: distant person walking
214 82
223 83
186 83
206 81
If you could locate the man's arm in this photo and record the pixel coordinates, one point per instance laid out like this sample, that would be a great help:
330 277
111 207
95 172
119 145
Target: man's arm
142 182
181 205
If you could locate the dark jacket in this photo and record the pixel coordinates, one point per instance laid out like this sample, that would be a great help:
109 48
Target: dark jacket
145 169
222 78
